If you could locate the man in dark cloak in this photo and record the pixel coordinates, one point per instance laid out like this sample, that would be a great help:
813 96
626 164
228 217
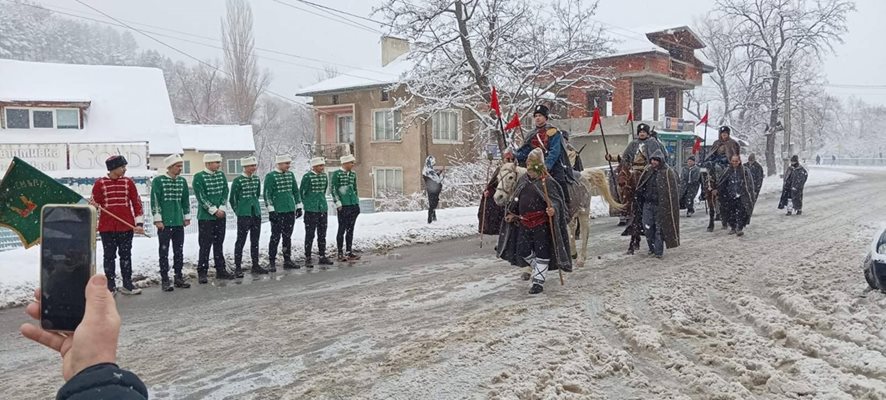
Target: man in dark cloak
736 191
657 195
792 191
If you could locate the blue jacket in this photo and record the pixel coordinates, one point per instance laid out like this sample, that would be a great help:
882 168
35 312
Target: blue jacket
553 153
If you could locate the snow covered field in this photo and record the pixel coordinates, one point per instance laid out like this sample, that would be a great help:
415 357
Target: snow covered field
781 313
376 232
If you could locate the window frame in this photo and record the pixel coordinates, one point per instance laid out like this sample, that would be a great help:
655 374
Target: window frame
352 134
237 168
396 134
186 167
31 110
375 184
458 125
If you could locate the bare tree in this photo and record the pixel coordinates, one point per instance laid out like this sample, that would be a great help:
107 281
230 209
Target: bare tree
462 48
200 96
247 82
782 31
282 128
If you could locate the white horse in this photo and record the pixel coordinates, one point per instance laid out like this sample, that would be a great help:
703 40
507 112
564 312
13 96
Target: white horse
579 210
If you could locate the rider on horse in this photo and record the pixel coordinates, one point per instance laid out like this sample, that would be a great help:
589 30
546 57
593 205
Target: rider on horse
550 140
724 148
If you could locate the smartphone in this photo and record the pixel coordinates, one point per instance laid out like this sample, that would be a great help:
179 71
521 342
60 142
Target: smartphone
67 262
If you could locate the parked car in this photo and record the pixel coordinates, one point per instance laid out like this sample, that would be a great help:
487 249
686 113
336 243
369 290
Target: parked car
875 262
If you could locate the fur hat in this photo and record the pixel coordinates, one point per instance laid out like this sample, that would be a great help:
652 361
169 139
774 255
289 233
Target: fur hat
541 109
212 157
318 161
794 158
691 158
248 161
172 160
643 128
114 162
283 158
725 129
348 159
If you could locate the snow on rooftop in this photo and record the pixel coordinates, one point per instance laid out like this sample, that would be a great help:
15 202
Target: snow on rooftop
362 78
216 137
127 104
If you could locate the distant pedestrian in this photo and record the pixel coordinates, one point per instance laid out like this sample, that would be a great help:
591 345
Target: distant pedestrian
433 186
792 191
817 159
756 172
833 160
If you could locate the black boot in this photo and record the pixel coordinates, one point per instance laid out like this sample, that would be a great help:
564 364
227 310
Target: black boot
222 273
536 289
342 257
799 212
288 264
165 286
238 273
256 269
202 278
325 261
309 263
352 257
180 282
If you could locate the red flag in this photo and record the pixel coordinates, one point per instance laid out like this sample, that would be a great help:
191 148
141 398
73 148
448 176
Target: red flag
595 121
630 117
704 120
515 122
494 103
697 146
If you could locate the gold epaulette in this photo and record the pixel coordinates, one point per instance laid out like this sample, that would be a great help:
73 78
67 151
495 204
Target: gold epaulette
551 132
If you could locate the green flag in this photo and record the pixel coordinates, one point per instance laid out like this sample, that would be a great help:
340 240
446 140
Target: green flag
24 191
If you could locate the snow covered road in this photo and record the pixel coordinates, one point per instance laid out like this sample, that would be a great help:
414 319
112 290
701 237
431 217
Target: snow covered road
778 314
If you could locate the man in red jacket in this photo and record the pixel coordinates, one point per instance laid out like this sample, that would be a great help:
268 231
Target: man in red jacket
116 194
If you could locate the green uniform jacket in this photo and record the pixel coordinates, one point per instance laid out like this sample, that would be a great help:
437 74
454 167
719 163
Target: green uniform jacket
281 192
170 201
245 191
211 191
313 192
344 188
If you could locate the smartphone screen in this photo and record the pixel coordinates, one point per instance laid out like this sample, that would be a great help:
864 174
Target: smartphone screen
66 264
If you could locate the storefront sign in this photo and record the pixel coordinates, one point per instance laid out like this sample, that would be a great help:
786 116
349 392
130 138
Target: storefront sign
93 155
45 157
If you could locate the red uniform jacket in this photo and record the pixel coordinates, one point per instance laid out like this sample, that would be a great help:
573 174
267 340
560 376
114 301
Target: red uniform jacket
120 197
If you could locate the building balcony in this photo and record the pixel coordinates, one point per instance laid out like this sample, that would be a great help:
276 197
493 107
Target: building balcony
332 152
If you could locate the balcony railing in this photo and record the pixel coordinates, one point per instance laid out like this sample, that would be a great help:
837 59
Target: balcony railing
332 152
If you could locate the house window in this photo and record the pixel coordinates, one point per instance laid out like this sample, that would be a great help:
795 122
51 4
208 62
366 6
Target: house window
233 166
386 126
344 125
43 119
17 118
186 168
335 99
388 180
445 127
385 96
67 119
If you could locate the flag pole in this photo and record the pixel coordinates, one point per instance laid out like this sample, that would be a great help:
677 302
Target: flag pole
704 151
104 210
606 149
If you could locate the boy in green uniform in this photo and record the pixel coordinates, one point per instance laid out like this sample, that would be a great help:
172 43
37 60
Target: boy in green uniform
284 207
347 204
211 191
245 191
171 207
313 190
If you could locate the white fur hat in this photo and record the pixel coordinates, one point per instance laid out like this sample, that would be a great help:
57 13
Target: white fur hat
212 157
348 158
247 161
172 160
283 158
318 161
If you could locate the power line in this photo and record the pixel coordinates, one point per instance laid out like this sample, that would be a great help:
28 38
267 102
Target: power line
344 12
336 19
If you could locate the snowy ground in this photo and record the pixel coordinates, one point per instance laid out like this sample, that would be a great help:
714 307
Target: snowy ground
378 232
778 314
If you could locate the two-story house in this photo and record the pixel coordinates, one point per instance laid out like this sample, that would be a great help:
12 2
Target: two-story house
357 114
233 142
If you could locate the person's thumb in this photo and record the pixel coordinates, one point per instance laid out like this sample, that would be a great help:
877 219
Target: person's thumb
100 302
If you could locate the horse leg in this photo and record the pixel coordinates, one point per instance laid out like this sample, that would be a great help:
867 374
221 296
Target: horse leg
585 224
572 223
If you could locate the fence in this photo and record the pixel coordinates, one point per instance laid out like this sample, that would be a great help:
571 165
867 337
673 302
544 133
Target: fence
866 162
9 240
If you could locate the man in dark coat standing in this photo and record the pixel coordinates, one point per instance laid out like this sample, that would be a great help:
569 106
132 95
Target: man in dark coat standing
792 191
757 172
736 191
657 195
690 181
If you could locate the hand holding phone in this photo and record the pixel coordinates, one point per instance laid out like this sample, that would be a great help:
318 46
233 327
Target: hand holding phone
94 341
67 261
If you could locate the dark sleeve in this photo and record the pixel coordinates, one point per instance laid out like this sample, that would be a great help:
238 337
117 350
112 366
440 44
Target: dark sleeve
103 381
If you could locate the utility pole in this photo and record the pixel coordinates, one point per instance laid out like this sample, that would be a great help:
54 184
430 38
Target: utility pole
786 149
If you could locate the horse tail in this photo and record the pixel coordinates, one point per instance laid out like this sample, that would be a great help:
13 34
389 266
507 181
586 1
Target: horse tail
597 178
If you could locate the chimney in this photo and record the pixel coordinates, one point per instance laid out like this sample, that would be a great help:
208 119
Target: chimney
391 48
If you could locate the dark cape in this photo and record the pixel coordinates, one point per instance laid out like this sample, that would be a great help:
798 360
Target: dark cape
794 182
757 173
667 213
690 181
510 232
748 195
493 214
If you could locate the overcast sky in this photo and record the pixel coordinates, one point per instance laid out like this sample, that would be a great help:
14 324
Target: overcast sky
860 61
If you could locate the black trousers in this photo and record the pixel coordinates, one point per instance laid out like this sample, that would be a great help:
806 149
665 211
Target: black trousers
211 236
347 218
735 214
247 226
433 202
315 222
114 243
176 235
535 241
281 228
